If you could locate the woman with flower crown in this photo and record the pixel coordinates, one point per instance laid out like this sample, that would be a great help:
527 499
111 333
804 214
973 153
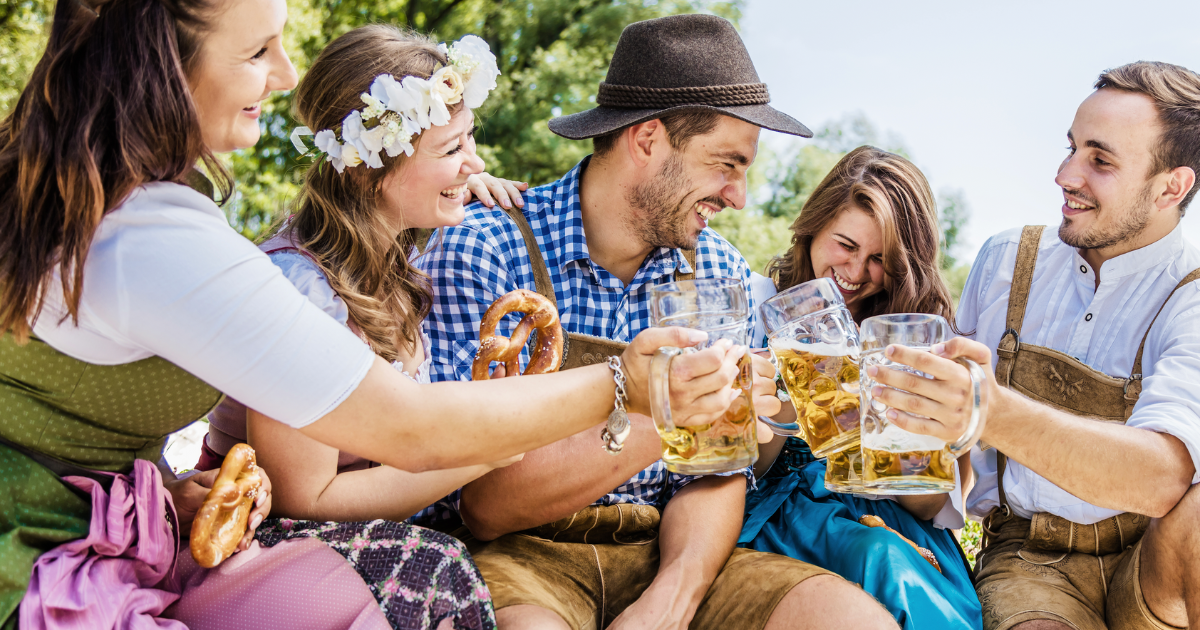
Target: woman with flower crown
128 307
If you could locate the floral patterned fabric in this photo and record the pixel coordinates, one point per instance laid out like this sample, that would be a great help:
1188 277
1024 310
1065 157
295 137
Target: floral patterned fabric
419 576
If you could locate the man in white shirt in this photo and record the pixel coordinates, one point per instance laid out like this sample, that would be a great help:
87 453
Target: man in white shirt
1079 458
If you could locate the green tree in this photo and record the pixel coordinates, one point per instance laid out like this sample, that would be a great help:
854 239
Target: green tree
552 56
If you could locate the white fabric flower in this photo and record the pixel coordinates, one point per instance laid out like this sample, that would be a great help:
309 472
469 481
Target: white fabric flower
350 156
448 84
430 109
481 78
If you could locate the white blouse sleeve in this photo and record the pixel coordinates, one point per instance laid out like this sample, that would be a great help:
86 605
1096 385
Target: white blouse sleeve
311 282
166 276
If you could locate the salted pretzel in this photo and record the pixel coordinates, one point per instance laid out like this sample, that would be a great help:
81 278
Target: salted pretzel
870 520
539 314
221 522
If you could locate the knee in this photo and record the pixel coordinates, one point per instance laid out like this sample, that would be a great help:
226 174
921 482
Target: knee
828 601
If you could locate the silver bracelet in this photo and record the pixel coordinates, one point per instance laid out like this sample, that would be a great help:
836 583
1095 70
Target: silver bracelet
618 427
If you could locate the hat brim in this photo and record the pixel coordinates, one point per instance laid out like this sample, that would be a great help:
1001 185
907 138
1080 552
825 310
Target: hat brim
602 120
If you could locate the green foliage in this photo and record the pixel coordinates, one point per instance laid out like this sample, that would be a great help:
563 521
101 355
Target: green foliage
970 538
23 31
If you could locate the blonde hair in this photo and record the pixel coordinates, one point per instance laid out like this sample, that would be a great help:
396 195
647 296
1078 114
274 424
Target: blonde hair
1175 91
337 220
893 191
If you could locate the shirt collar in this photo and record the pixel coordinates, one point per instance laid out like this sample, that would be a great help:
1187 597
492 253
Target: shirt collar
1165 250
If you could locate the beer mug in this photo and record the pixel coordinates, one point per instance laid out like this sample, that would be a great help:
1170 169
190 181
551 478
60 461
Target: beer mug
844 471
896 461
719 307
814 343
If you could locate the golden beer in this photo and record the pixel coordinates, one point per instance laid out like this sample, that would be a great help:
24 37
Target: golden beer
729 443
918 472
844 471
822 381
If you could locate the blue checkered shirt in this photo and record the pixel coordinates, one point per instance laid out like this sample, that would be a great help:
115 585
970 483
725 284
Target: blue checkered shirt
485 257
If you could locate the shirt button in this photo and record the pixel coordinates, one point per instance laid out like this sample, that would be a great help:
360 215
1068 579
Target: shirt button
1088 318
1082 269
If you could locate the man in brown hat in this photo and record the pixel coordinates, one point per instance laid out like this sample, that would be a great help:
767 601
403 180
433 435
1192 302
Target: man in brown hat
1087 485
579 538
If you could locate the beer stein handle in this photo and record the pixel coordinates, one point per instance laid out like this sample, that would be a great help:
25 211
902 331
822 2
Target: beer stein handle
786 430
978 417
660 389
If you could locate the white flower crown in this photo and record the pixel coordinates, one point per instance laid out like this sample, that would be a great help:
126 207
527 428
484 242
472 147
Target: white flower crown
398 110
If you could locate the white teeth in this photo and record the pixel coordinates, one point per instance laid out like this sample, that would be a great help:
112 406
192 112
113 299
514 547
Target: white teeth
845 285
452 193
1074 205
704 211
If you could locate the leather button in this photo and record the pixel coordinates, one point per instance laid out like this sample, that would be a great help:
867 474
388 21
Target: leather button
1088 318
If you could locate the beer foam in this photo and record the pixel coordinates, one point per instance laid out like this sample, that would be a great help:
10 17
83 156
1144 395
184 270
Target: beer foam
823 349
893 439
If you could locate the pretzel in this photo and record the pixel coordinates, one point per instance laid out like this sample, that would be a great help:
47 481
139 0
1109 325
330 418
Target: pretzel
541 314
221 522
870 520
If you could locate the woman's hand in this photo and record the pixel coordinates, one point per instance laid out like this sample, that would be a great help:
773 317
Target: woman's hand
945 400
766 403
701 381
489 189
189 494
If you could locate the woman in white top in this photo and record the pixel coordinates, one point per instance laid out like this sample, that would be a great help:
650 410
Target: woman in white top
114 271
871 226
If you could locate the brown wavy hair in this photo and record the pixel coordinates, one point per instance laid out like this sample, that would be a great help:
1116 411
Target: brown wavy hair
106 110
337 219
893 191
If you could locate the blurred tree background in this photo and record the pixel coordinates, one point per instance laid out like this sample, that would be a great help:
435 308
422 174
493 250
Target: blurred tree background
552 55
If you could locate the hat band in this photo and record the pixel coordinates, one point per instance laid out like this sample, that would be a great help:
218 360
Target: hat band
637 97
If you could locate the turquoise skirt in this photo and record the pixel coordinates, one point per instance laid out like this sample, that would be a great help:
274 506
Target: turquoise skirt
791 513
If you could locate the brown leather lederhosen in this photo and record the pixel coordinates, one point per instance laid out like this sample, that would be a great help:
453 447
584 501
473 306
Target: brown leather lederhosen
1065 383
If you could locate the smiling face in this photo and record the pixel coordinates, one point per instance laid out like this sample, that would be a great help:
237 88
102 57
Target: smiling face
429 188
850 251
240 62
1108 192
693 183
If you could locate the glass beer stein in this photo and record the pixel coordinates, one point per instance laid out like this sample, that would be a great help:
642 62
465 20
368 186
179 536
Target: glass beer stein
844 471
815 345
896 461
719 307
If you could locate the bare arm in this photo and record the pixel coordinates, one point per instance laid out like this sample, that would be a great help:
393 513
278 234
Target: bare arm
309 487
555 481
1089 459
394 421
699 529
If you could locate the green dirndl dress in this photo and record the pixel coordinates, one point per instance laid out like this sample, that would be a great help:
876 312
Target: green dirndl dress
93 416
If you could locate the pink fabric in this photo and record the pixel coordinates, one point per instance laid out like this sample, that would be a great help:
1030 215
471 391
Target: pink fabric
120 575
297 584
109 578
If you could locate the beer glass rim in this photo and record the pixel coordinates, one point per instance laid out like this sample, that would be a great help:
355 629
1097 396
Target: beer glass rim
684 286
804 286
893 319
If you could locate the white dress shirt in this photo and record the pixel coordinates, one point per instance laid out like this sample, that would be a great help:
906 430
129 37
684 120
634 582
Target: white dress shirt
1102 327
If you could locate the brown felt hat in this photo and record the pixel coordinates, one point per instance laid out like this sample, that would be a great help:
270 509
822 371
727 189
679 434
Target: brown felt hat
678 63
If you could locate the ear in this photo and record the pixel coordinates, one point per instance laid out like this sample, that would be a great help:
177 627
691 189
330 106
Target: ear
1179 182
643 139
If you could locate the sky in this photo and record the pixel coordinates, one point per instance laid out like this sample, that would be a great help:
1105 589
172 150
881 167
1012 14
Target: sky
982 94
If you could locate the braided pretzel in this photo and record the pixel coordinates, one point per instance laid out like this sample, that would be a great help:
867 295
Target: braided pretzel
870 520
539 314
221 522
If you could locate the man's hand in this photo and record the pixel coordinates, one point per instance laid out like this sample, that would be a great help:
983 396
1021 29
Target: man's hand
700 381
945 400
189 494
659 608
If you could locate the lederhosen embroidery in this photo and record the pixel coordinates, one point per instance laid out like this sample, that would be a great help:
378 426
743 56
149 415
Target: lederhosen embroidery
578 349
1065 383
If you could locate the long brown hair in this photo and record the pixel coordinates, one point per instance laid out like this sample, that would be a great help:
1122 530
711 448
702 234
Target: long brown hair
337 219
893 191
107 109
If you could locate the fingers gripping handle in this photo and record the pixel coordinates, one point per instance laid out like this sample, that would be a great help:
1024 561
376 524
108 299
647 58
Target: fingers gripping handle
660 391
978 419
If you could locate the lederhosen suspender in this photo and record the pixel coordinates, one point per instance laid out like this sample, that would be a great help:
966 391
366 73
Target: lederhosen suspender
578 349
1055 378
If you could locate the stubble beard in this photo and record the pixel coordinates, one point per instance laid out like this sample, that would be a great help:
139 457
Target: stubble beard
1126 227
659 219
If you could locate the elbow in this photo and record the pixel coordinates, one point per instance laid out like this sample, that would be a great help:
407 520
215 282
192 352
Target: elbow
483 525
